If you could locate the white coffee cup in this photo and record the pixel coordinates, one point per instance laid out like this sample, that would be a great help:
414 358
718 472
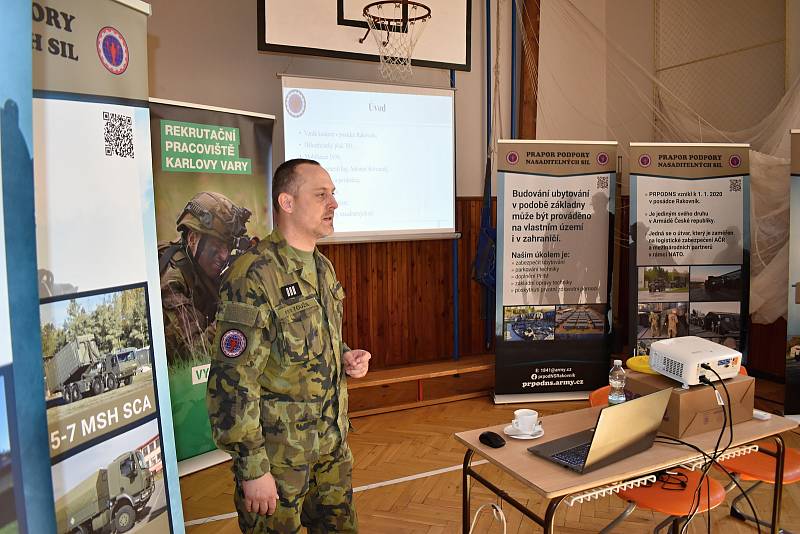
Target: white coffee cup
525 420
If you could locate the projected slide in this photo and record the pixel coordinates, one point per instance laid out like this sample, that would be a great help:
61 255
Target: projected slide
389 150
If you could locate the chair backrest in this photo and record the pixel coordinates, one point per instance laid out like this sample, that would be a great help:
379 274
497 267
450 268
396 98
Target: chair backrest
743 370
599 397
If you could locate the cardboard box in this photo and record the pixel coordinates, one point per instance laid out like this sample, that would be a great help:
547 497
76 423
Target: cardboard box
694 410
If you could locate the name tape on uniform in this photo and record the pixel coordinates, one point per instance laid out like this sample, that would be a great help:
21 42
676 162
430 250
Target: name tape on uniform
285 311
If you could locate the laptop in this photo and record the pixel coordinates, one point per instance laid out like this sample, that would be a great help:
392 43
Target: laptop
621 431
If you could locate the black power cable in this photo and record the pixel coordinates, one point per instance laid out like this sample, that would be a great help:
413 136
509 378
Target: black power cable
703 477
669 440
730 409
727 418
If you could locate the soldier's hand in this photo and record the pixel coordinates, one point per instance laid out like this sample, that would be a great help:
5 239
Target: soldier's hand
356 362
260 495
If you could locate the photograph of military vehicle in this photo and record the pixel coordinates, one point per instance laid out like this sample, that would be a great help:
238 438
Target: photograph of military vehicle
715 319
110 499
721 323
716 283
580 321
663 283
659 284
529 323
79 370
93 343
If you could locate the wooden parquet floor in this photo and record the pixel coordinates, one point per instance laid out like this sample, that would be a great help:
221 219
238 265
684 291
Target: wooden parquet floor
402 444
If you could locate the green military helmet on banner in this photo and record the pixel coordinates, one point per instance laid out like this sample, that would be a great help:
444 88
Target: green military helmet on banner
214 214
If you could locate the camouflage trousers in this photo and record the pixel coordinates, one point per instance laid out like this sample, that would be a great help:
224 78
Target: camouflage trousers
317 496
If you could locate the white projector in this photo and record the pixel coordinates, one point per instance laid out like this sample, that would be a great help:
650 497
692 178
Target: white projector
680 358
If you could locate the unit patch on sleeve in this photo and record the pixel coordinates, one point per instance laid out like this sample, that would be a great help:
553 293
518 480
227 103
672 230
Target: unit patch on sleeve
233 343
290 291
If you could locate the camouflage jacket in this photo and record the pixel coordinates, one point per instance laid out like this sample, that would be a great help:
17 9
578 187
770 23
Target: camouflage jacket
189 303
277 391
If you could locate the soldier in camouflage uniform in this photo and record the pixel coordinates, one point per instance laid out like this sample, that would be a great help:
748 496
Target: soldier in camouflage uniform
190 268
277 393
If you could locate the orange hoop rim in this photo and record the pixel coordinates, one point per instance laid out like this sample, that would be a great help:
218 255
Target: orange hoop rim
394 21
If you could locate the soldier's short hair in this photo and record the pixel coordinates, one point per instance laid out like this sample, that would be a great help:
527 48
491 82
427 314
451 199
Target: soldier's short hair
285 178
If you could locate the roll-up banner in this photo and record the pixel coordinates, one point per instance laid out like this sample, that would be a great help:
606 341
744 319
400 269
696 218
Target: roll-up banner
555 209
26 497
109 423
792 401
215 159
690 243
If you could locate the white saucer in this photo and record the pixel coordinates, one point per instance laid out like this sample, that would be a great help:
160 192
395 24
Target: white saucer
516 434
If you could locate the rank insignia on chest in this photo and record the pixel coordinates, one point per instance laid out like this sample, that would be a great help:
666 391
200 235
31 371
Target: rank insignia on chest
233 343
291 291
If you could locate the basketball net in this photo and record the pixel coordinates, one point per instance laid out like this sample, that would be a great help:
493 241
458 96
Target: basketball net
396 35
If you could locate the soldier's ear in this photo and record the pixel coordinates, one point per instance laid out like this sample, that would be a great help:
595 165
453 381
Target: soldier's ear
192 238
286 202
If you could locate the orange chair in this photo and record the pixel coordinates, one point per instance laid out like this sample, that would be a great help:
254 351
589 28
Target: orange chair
676 502
599 397
759 467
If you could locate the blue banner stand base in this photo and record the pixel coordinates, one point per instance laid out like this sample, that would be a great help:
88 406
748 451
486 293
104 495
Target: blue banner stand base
514 398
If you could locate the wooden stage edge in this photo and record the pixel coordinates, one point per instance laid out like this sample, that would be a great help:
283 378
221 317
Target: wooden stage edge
423 384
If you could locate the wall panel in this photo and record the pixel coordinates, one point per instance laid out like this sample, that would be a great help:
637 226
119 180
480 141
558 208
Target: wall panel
400 295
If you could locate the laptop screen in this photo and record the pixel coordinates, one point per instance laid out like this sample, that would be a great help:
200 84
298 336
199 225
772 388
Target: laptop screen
627 428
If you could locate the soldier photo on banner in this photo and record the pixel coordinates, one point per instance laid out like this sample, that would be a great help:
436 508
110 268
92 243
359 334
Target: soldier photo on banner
211 233
210 172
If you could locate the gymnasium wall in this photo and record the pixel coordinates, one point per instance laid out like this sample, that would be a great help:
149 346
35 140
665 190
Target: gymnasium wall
400 296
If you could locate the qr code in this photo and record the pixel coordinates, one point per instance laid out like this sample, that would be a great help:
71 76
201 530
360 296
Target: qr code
736 185
602 182
118 134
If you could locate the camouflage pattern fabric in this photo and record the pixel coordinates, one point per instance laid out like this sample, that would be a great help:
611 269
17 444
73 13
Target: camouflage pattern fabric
317 496
277 394
189 305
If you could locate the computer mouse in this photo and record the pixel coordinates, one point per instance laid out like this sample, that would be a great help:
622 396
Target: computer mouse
492 439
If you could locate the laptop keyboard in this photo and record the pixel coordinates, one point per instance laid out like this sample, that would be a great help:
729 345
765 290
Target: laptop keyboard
574 456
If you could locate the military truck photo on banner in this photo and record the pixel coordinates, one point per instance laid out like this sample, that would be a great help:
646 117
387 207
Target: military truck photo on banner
113 487
690 252
211 168
97 365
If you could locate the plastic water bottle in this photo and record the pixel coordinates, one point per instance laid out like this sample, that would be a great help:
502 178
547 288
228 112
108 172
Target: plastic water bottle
616 379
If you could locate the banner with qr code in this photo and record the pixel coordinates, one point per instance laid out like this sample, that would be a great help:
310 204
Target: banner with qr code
792 399
690 243
555 209
103 360
204 159
25 494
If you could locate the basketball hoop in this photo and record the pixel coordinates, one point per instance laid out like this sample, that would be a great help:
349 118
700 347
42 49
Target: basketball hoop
401 22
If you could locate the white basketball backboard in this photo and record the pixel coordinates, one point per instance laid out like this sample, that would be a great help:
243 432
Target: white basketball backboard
333 28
